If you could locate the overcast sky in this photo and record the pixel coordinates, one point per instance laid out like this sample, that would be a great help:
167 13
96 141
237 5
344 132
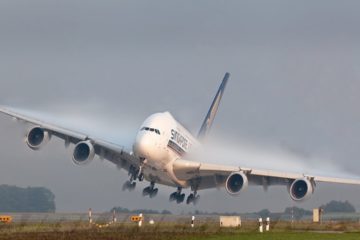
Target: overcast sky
295 84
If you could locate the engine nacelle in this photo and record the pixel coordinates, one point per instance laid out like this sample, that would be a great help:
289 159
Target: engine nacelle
301 189
236 183
84 153
37 138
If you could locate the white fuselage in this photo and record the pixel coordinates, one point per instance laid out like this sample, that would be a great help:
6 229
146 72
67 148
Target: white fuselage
160 141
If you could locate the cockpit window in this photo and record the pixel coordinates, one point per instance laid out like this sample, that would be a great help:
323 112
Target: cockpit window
151 130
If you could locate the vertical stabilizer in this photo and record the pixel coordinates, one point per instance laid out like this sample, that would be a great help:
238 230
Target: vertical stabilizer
209 119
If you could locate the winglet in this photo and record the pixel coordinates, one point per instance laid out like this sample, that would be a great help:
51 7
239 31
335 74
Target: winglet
209 119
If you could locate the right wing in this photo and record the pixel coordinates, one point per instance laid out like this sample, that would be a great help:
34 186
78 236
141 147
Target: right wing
104 149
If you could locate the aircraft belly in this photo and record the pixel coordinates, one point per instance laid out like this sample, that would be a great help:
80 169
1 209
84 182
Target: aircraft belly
161 172
158 176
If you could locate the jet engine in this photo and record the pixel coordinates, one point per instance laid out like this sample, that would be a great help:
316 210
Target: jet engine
84 153
236 183
301 189
37 138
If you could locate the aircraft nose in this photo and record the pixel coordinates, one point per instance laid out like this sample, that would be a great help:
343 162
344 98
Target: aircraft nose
143 146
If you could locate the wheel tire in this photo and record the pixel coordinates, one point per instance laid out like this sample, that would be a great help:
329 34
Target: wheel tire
154 193
173 197
190 199
132 186
146 191
180 198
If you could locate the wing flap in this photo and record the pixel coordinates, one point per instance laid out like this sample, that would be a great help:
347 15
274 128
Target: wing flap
337 180
186 169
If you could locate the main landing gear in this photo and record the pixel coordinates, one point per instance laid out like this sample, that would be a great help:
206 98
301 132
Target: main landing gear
180 197
150 191
193 198
177 196
135 174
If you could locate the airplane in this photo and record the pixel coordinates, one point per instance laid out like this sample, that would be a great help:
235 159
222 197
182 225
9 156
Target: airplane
159 156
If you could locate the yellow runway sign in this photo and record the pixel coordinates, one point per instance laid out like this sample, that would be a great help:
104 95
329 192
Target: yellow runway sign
136 218
5 219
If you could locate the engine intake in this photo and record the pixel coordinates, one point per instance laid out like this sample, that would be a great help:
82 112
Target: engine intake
236 183
37 138
301 189
84 153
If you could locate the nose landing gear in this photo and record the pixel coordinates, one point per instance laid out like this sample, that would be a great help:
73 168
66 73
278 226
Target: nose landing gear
135 174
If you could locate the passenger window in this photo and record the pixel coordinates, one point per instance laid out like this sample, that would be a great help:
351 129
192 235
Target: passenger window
157 131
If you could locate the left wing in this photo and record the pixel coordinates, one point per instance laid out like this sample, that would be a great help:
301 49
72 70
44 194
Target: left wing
105 150
204 176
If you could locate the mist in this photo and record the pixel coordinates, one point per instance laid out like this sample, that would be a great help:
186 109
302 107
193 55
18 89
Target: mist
239 153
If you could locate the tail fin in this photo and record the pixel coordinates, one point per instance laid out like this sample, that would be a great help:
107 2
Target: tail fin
209 119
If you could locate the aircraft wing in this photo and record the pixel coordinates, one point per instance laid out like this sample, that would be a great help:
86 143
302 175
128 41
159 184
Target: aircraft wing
105 150
215 175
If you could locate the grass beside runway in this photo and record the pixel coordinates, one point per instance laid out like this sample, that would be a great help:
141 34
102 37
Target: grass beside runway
286 236
173 231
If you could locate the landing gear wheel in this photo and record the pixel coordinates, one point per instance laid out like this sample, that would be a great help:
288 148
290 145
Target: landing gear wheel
150 190
190 199
193 198
146 191
132 186
180 198
141 177
129 186
173 196
154 192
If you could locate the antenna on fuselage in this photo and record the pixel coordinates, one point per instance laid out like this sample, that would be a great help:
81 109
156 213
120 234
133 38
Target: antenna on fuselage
209 119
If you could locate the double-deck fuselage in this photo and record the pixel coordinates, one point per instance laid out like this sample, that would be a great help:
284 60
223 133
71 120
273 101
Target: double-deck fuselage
160 141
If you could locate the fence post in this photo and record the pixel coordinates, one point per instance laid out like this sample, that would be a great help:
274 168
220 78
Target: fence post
114 216
261 227
141 219
90 216
192 221
267 224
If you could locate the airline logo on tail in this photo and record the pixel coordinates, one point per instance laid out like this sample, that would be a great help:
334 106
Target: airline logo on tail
209 119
